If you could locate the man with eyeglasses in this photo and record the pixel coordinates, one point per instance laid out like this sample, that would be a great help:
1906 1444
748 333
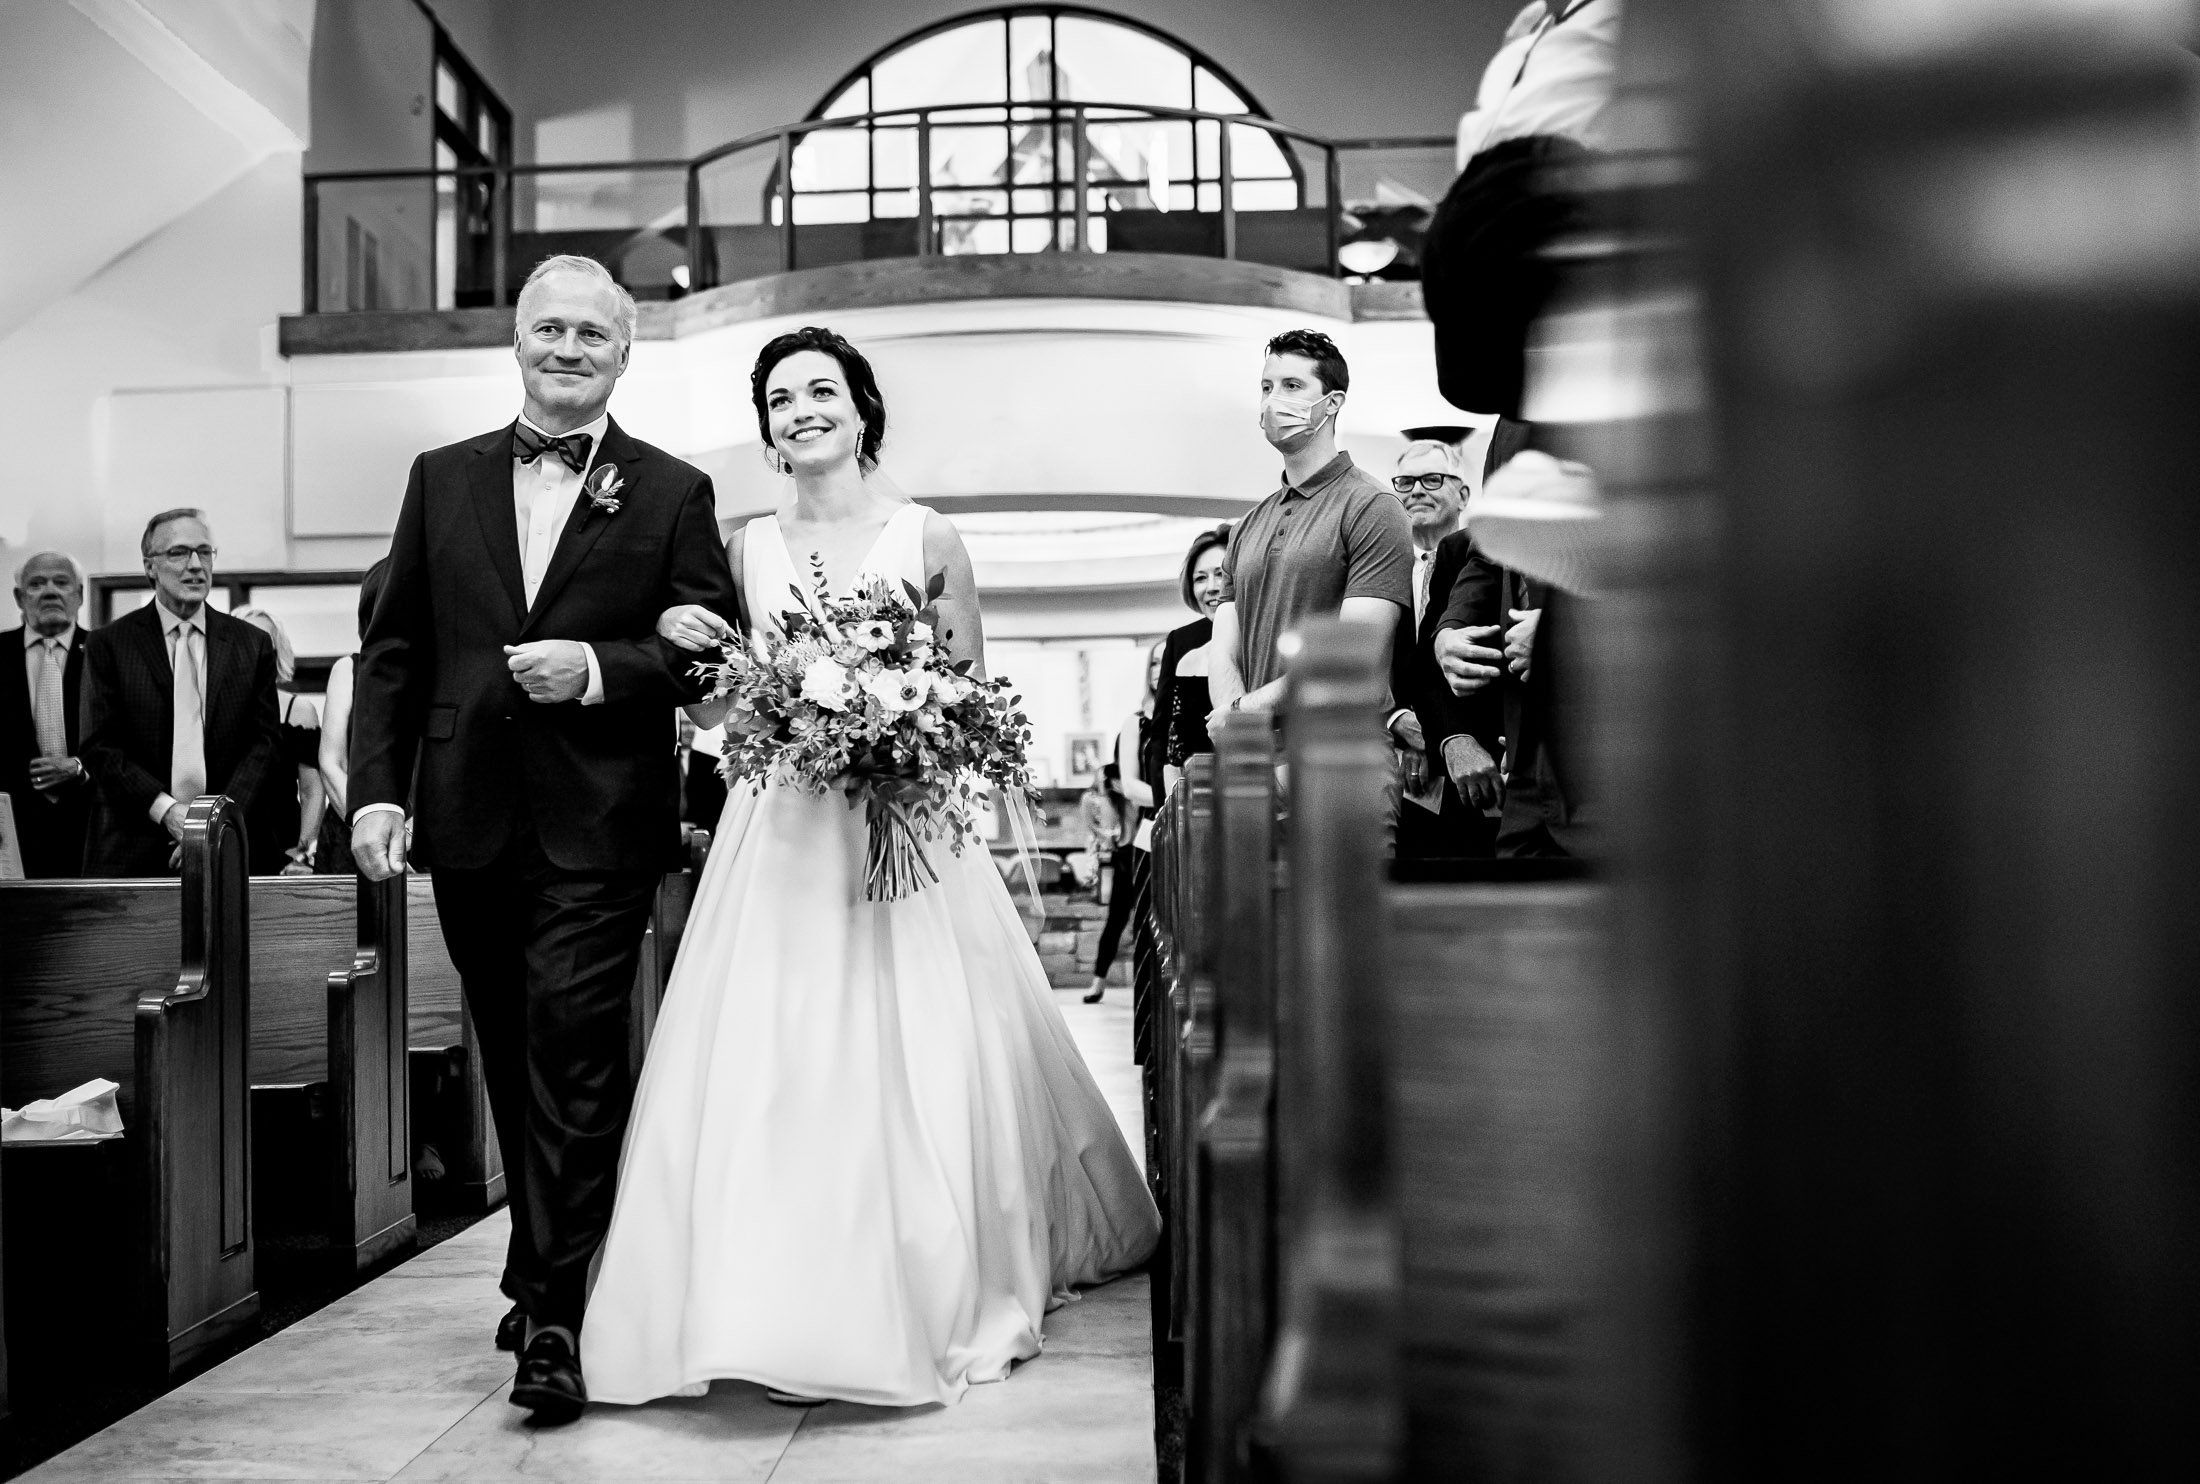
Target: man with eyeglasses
179 701
40 770
1447 743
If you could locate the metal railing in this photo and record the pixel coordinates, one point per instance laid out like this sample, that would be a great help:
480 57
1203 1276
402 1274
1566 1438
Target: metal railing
1068 176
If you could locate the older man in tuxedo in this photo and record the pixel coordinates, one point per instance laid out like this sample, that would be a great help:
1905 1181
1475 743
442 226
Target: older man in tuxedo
179 701
40 769
1447 743
513 696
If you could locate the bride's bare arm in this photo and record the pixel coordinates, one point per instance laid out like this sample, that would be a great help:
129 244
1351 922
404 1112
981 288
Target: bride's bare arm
961 629
695 628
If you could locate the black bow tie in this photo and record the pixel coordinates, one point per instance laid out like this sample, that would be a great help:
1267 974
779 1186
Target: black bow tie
529 445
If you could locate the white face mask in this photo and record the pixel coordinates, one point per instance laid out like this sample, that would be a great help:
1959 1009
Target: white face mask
1288 425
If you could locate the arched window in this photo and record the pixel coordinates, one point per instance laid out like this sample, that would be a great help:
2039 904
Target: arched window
1002 165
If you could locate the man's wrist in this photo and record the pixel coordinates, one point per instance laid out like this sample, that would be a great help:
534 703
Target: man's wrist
366 809
162 803
592 693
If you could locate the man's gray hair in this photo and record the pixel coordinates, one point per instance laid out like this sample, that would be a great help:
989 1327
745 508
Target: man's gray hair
566 262
1449 453
76 568
181 512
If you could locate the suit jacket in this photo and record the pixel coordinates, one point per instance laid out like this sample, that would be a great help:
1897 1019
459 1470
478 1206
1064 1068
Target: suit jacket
129 731
1465 589
51 825
437 719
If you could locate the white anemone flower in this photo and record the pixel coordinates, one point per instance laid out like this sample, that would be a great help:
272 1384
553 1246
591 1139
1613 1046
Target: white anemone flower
900 690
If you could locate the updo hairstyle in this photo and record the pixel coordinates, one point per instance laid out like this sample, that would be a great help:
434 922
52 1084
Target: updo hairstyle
862 386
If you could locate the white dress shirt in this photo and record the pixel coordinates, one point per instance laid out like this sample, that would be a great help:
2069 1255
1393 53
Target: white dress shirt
1550 77
543 493
169 624
39 653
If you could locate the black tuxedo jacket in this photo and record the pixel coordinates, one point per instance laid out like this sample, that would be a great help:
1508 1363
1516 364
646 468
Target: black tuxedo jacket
129 732
1464 588
437 720
51 825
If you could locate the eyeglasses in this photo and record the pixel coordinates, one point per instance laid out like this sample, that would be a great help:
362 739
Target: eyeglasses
176 556
1405 484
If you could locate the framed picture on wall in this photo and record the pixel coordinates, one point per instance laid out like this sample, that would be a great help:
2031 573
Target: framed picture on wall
1087 753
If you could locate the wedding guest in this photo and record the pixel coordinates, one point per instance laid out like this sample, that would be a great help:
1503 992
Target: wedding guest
287 834
332 855
1184 700
702 790
40 771
1542 517
1331 541
1447 744
1137 763
179 701
1097 815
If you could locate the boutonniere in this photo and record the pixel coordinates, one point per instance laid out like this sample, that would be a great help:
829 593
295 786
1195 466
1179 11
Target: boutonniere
603 488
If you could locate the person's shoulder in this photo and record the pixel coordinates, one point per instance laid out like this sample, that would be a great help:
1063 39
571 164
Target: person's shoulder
1456 547
120 630
13 638
249 635
468 447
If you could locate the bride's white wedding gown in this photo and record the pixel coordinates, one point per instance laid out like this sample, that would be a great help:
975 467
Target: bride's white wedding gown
865 1154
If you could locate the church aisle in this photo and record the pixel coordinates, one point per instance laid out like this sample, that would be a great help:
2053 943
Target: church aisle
398 1381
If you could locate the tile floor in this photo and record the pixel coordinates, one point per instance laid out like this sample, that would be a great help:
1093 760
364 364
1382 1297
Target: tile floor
397 1381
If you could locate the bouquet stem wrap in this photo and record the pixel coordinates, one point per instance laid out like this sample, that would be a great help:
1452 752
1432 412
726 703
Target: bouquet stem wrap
894 863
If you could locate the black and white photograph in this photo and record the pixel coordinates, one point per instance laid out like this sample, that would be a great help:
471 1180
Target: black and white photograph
1139 742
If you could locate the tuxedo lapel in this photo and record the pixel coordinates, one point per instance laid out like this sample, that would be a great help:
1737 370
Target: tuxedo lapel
584 524
490 486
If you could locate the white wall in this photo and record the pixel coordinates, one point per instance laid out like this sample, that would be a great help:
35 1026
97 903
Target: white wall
156 384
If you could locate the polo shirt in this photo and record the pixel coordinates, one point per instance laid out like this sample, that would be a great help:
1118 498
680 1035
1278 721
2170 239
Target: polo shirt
1303 551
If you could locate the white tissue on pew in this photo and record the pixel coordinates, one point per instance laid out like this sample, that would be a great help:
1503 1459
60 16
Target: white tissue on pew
83 1114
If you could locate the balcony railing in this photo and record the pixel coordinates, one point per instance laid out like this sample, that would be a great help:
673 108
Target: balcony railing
1025 177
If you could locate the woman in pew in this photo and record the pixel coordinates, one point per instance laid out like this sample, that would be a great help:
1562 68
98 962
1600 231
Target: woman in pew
1138 777
1183 703
333 857
287 824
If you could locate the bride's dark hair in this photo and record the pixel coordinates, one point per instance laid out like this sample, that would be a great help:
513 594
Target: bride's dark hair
862 385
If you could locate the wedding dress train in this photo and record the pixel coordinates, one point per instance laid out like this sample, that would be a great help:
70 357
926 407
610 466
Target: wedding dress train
865 1155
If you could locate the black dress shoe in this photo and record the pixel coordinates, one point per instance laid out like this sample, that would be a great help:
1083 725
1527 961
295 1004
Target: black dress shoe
549 1381
512 1330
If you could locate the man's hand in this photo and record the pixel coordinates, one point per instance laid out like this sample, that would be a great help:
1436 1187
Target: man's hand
1473 772
378 843
1406 728
549 670
1520 640
1468 664
50 773
172 821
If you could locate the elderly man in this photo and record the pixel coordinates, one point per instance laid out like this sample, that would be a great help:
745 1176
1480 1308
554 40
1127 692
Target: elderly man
1447 743
179 701
512 694
40 771
1330 542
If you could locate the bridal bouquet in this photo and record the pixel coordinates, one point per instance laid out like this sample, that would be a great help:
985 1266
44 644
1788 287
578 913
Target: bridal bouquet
858 695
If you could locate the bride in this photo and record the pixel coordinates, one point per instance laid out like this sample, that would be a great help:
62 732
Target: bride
865 1156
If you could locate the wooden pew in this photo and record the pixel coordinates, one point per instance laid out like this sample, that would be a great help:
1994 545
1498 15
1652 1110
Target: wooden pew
1232 1322
329 1064
146 983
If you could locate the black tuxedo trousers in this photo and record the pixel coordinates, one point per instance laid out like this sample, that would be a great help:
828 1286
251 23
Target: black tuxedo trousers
546 827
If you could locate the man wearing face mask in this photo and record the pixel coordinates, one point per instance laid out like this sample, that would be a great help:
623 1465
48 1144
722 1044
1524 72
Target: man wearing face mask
1330 541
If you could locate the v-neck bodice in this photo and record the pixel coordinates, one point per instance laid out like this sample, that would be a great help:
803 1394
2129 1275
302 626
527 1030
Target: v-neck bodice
896 554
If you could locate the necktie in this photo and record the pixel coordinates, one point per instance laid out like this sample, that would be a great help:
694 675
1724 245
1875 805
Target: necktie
529 445
1421 569
49 711
187 754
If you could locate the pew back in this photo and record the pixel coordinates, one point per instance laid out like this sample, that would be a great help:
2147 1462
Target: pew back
148 983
